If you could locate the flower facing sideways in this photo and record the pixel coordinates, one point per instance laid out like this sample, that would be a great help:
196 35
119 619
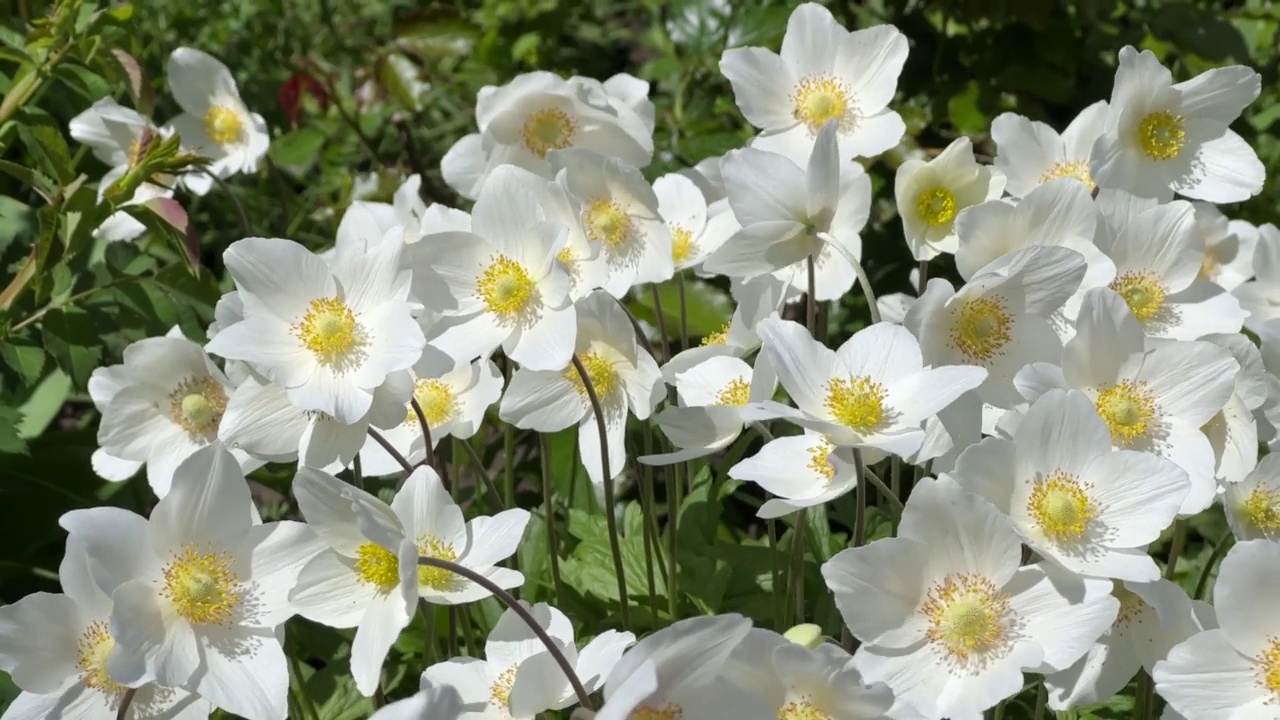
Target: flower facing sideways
932 194
215 122
1253 504
1030 153
828 473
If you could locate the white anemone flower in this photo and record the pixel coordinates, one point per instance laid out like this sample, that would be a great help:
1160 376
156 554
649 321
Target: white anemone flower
1031 153
1153 400
518 678
823 74
828 473
1153 618
1228 247
1163 138
757 300
1000 319
696 231
168 400
1253 503
329 333
948 619
620 215
706 175
214 122
1233 671
931 194
437 702
56 649
537 113
199 588
1158 255
1233 431
1260 297
624 376
1072 499
874 391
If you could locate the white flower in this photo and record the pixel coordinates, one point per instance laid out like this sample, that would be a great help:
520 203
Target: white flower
1071 498
696 231
823 74
718 396
827 473
518 677
757 299
1163 138
948 619
1158 255
329 333
56 649
440 702
624 376
167 400
1153 618
586 262
500 284
1233 431
789 214
200 588
215 122
873 391
930 194
1000 319
1031 153
1234 671
1228 247
1253 504
1261 297
620 216
538 113
706 175
1153 400
675 672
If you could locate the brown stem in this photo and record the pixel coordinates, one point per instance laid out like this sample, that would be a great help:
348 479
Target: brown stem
386 445
430 457
125 701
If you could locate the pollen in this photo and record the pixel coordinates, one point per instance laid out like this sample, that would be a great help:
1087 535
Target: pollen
819 99
981 328
969 619
93 649
820 459
330 331
223 125
719 337
1076 169
856 402
377 566
500 691
607 222
936 206
670 711
202 586
682 245
1061 507
437 400
603 376
548 129
506 288
1128 409
1131 605
1162 135
431 546
196 405
736 393
1261 509
802 709
1142 292
1269 667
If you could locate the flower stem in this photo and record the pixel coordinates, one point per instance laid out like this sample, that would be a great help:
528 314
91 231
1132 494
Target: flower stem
811 302
430 457
923 280
610 512
865 282
885 491
796 576
485 477
357 473
1042 697
649 526
860 500
125 701
507 599
662 321
386 445
553 548
1218 551
244 217
675 499
1175 547
684 313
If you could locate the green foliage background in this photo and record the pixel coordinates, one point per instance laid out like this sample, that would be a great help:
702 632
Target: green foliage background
970 60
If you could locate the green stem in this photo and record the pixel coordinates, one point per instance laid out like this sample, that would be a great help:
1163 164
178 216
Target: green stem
662 320
1175 547
649 526
860 500
485 477
796 576
675 500
305 705
1042 697
775 575
553 545
684 313
885 491
1218 551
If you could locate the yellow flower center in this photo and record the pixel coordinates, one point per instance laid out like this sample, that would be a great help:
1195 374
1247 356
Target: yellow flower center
566 257
820 459
1209 266
223 125
1077 169
377 566
1142 292
436 578
737 393
500 691
606 222
1161 135
1061 506
802 709
682 245
1261 509
548 129
330 331
1269 667
604 378
196 406
818 99
981 328
94 647
506 288
201 585
1131 604
856 402
670 711
719 337
1128 409
437 401
936 206
968 617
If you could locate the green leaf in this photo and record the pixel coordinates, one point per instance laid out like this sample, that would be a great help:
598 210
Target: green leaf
10 439
73 338
297 152
433 38
42 407
25 357
707 308
964 112
49 150
402 80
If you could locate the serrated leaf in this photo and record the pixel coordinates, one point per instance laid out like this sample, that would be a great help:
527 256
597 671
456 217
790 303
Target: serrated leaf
48 148
74 340
10 440
42 407
139 89
25 357
32 178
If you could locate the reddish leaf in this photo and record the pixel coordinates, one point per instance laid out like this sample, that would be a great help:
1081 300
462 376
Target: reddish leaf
291 93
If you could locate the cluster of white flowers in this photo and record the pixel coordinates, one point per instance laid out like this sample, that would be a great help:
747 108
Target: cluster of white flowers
1087 388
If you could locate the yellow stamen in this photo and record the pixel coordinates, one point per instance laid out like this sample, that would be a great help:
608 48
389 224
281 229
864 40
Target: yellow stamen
737 393
1061 506
196 405
436 578
201 585
1269 668
936 206
820 459
719 337
1128 409
1261 509
818 99
968 617
603 376
500 691
802 708
670 711
436 398
1162 135
330 331
223 125
607 222
93 649
856 402
506 288
682 245
377 566
1077 169
1142 292
548 129
980 328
